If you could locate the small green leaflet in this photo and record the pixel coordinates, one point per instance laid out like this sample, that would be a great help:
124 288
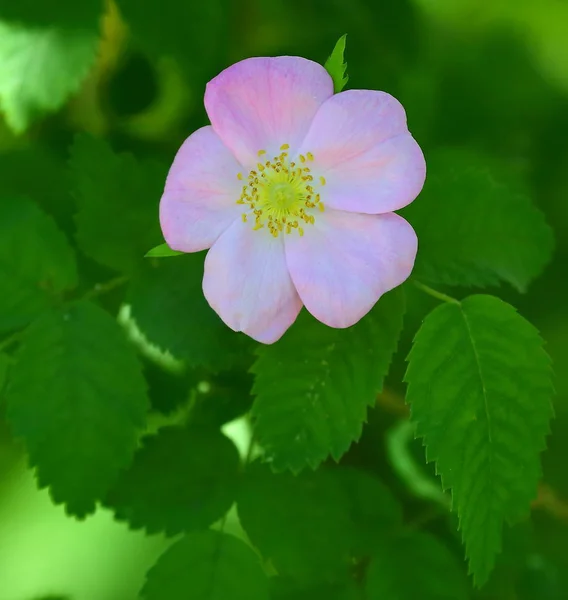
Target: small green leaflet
480 394
77 397
197 487
314 386
207 565
336 66
161 251
40 68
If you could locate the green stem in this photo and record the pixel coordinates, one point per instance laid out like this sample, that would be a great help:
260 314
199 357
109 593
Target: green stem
103 288
436 294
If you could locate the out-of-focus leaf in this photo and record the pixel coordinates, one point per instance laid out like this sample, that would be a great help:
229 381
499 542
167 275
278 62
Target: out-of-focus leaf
282 588
480 393
162 251
77 397
180 480
313 387
37 263
61 13
207 565
336 66
40 68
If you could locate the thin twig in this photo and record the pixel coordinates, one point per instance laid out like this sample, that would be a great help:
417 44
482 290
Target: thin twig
436 294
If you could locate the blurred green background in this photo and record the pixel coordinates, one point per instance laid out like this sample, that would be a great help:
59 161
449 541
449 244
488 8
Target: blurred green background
488 76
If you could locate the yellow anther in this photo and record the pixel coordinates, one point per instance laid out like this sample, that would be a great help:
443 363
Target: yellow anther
309 156
244 217
321 206
284 146
240 176
302 158
300 231
322 179
261 152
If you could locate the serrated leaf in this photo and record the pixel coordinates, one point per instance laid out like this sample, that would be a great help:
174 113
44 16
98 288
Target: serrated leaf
161 251
313 387
413 566
207 566
180 480
477 225
78 399
40 68
168 305
37 263
301 523
336 66
117 197
480 393
65 13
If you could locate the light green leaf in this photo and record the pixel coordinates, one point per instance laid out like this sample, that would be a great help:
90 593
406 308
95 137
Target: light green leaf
197 487
480 393
161 251
118 199
167 303
336 66
414 566
40 68
207 566
77 397
313 387
37 264
477 225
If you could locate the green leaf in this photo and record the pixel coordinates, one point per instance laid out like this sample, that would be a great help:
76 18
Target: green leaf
477 225
4 364
336 66
37 265
163 250
414 566
180 480
480 393
313 387
207 566
282 588
77 397
301 523
118 199
40 68
168 305
65 13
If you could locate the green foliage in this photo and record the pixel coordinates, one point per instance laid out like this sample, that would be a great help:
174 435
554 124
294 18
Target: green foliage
477 225
313 387
117 197
282 588
417 561
480 393
77 397
196 489
311 525
40 68
4 364
336 66
37 265
169 307
84 14
162 251
207 566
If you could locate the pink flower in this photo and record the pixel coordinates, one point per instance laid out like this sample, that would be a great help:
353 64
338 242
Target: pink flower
292 188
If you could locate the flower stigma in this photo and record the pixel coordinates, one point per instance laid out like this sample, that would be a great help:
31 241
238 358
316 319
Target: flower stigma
280 195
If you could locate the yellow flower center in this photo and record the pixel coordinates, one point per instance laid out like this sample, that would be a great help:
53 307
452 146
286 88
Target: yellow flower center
279 194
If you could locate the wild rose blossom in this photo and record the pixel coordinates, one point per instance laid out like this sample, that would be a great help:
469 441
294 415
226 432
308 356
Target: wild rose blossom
293 188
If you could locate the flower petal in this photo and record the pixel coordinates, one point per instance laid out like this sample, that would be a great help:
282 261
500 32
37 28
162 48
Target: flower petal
346 261
199 201
262 103
362 147
247 283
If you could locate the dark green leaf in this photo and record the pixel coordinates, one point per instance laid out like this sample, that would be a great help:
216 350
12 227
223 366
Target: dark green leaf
77 397
66 13
4 364
477 225
207 566
118 199
336 66
180 480
282 588
36 262
40 68
169 307
161 251
480 392
414 566
313 387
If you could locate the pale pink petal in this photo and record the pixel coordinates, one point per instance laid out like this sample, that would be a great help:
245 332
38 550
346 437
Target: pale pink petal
247 283
362 147
346 261
199 201
263 103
